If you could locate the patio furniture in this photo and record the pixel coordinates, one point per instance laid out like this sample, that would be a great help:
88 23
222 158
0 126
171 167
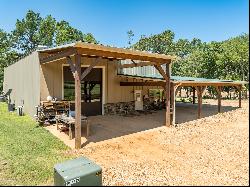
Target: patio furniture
69 123
47 110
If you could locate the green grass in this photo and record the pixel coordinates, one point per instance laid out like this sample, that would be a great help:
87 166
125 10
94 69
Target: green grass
28 152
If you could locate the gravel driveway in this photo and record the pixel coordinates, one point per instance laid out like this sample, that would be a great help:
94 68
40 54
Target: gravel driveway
209 151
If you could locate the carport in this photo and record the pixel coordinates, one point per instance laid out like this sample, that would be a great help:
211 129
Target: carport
198 85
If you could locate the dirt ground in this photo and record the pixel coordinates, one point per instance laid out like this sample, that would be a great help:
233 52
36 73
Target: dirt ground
213 150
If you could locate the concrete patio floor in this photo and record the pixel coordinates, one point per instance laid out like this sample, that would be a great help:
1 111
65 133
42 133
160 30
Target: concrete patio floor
111 126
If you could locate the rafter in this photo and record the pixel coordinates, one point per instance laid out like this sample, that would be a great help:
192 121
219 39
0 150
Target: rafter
59 55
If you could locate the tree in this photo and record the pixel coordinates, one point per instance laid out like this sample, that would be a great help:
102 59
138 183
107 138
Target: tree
33 30
65 33
47 31
26 34
130 36
89 38
7 56
215 60
160 43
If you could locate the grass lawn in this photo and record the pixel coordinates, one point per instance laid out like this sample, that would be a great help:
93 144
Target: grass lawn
27 152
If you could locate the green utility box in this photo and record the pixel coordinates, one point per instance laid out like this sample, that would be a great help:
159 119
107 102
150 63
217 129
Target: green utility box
77 172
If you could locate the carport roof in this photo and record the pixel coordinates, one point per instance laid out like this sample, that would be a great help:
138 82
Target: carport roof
189 81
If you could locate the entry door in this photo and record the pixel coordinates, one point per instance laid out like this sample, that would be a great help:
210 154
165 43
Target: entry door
91 91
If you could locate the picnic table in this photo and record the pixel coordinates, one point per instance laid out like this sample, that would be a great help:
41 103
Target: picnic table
69 122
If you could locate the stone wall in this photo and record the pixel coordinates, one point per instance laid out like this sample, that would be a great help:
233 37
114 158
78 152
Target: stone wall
119 108
123 108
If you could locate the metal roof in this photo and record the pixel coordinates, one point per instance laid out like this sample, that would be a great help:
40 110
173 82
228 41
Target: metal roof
186 79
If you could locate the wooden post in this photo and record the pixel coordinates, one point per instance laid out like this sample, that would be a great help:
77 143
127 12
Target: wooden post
199 102
239 96
193 95
166 76
172 101
239 87
200 90
77 101
218 89
167 90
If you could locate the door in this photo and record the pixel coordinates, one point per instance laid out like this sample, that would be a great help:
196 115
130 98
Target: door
91 90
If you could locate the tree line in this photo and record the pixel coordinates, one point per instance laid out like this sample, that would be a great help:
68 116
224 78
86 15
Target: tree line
227 59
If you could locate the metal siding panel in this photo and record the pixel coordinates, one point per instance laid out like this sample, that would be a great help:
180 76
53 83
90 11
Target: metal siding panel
23 77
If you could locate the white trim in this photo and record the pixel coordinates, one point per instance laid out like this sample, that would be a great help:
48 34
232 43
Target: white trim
103 83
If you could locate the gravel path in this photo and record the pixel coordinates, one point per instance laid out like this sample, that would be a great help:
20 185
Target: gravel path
209 151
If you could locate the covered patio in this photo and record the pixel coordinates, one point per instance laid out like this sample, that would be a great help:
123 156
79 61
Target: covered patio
106 127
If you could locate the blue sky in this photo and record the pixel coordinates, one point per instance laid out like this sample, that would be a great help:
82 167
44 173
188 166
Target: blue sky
109 20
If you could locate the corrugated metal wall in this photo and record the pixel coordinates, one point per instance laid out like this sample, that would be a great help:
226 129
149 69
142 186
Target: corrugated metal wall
148 71
23 77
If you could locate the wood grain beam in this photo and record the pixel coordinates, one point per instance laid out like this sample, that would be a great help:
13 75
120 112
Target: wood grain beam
218 90
239 87
161 71
92 65
59 55
71 65
167 92
148 83
200 90
78 102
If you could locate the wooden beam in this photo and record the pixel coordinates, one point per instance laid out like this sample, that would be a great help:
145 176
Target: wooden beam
92 65
77 101
200 90
167 92
218 90
202 83
239 87
193 95
161 71
240 98
59 55
148 83
199 94
172 102
104 51
71 65
139 64
133 62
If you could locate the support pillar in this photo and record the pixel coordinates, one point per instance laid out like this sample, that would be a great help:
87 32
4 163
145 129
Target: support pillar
77 101
239 97
218 89
193 95
172 102
167 92
166 76
200 90
239 88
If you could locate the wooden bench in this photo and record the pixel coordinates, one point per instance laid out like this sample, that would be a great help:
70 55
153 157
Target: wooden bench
69 122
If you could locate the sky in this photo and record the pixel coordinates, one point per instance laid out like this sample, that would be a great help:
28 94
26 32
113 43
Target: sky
109 20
